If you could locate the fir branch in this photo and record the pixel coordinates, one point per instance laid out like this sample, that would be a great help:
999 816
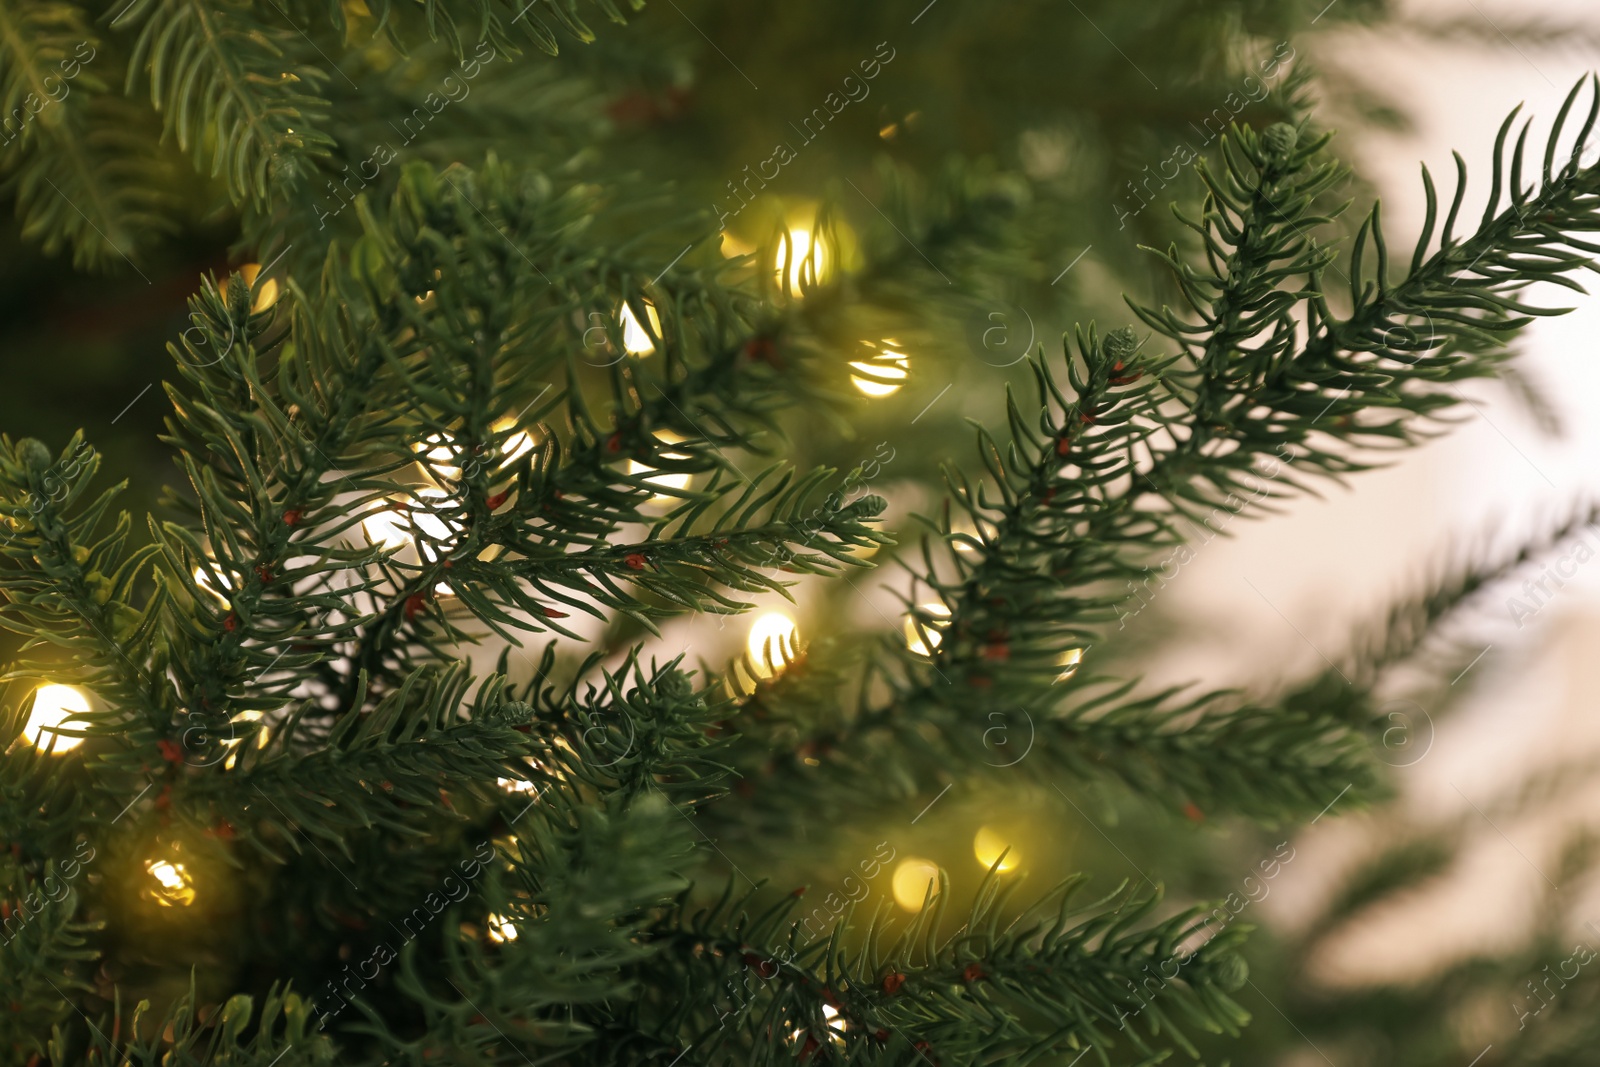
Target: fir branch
1251 379
83 164
504 24
186 1035
231 86
1059 978
67 584
40 960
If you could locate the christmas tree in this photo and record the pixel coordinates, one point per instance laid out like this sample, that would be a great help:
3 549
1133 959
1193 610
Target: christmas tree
450 708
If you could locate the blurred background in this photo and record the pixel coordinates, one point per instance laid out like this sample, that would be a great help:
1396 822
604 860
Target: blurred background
1443 926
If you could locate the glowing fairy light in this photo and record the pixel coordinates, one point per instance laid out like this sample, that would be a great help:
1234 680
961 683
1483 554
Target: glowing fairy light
202 578
393 528
266 294
668 480
635 338
988 846
884 372
981 530
502 929
521 785
831 1022
438 453
733 248
426 521
515 446
922 638
805 257
772 643
53 706
911 881
386 528
174 887
231 742
1068 662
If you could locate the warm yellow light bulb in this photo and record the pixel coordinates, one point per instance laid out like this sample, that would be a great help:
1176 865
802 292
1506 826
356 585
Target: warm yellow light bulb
635 338
173 885
439 454
202 578
54 706
917 631
883 373
386 528
428 523
980 530
501 929
515 446
668 481
266 294
773 643
988 846
1069 663
521 785
831 1021
733 248
911 881
805 257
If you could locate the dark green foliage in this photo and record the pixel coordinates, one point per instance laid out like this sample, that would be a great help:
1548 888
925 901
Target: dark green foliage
410 840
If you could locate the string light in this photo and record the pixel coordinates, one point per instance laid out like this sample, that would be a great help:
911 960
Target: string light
202 578
501 929
426 521
390 528
670 481
911 881
831 1022
232 743
884 372
54 705
982 530
517 445
438 453
988 846
916 630
386 528
733 248
807 258
173 887
773 643
520 785
266 294
1069 663
635 339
